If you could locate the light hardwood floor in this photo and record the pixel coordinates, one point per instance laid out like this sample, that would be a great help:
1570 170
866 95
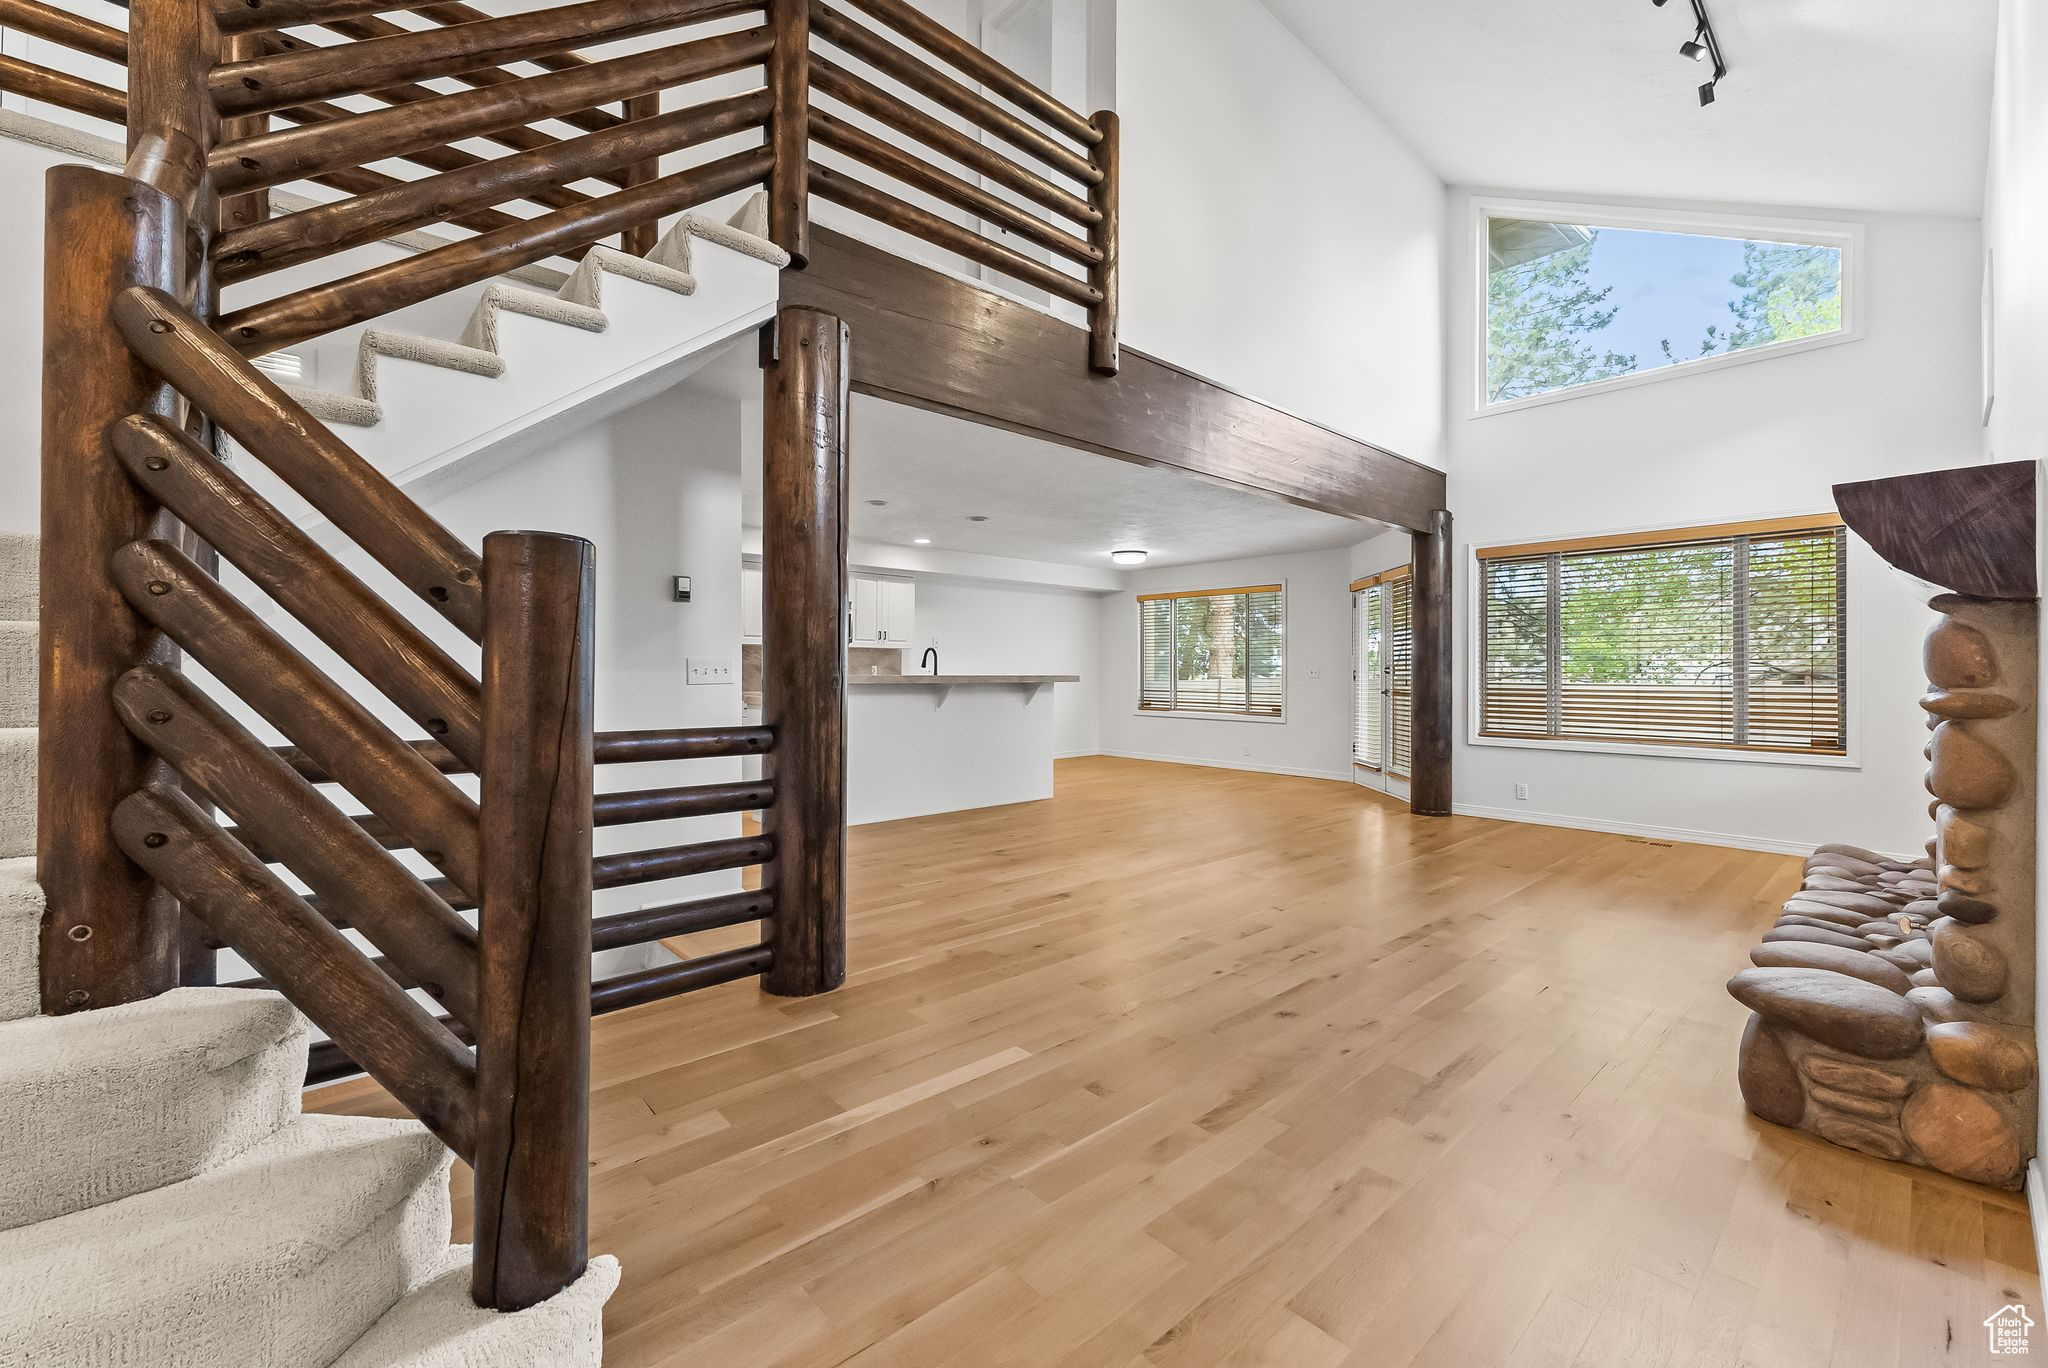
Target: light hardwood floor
1189 1068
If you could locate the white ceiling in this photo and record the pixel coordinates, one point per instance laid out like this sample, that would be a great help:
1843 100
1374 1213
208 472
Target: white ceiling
1834 104
1049 503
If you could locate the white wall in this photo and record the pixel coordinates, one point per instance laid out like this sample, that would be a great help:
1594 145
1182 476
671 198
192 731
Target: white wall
2015 218
656 489
1276 236
1748 441
1020 629
1315 737
2015 214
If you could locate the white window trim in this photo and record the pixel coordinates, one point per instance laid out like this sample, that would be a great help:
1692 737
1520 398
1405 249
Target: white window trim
1475 666
1202 715
1847 237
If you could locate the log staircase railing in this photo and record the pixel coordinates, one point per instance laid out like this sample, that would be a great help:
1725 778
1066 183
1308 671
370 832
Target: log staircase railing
890 115
168 827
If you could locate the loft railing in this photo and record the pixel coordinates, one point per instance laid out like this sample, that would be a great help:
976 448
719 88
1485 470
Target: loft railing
167 828
896 119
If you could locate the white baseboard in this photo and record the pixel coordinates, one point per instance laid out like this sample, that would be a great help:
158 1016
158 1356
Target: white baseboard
1074 755
1662 833
2037 1209
1339 776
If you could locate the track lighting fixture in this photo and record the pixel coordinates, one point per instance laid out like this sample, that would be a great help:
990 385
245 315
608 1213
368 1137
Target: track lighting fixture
1702 46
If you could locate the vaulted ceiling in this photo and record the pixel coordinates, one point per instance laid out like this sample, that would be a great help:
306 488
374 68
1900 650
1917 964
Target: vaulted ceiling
1832 104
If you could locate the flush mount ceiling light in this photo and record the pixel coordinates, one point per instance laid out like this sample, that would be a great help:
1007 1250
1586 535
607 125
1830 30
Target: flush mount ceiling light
1702 46
1129 556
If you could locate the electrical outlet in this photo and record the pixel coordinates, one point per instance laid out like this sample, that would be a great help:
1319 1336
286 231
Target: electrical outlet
1522 793
1314 672
710 671
1247 752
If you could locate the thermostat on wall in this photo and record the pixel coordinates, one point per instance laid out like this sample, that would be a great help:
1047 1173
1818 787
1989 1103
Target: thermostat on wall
682 584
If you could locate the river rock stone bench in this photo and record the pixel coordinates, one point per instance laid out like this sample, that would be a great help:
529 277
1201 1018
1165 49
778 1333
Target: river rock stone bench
1893 1002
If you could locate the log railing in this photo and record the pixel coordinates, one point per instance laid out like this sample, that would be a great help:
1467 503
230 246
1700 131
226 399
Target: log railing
346 864
874 108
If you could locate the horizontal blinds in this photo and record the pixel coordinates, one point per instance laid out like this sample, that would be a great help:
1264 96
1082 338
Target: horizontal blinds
1648 637
1796 661
1218 651
1401 676
1266 645
1155 654
1368 715
1515 632
1732 640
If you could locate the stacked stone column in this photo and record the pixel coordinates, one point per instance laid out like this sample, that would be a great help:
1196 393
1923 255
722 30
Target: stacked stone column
1894 1000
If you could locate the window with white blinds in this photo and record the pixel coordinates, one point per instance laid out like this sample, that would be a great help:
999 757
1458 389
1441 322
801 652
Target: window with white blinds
1732 636
1368 702
1383 672
1214 652
1401 676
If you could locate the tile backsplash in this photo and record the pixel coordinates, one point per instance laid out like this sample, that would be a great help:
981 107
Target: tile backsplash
860 660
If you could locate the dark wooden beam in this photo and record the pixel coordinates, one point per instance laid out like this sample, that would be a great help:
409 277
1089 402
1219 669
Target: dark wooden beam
532 1159
106 938
1429 783
1969 530
925 339
803 564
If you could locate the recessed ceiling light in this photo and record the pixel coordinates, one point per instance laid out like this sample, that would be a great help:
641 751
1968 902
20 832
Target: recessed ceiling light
920 541
878 503
977 517
1130 556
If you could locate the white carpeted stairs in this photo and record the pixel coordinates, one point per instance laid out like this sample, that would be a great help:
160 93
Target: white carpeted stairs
163 1201
528 366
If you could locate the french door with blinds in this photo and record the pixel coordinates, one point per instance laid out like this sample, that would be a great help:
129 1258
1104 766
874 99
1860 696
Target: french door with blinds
1383 678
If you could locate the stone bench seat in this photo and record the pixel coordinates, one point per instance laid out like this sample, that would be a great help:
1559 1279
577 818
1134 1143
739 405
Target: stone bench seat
1856 1038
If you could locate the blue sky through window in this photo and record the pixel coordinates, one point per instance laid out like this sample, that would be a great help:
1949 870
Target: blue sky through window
1667 286
1570 305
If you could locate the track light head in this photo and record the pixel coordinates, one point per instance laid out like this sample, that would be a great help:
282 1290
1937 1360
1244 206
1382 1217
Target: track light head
1703 46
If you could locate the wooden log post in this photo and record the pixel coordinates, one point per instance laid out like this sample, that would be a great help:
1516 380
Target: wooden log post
1104 235
533 1028
804 585
107 937
639 240
1429 788
789 129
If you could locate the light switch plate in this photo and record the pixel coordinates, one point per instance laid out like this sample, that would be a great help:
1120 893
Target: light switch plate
708 670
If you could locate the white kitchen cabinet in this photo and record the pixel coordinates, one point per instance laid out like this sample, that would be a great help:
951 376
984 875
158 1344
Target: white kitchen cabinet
867 611
884 611
750 603
899 611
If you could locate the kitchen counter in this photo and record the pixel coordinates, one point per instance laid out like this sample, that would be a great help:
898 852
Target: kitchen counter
941 681
922 744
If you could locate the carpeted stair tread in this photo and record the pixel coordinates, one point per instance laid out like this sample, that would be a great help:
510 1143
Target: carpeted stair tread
350 410
18 673
97 1106
21 920
579 303
436 1325
19 572
17 791
280 1258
